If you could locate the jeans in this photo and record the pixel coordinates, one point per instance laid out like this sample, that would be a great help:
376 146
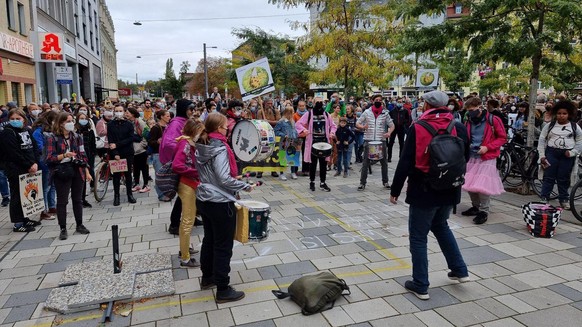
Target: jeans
4 189
343 161
400 131
366 165
359 146
91 161
558 172
48 190
322 169
140 165
219 225
422 220
157 164
74 186
188 215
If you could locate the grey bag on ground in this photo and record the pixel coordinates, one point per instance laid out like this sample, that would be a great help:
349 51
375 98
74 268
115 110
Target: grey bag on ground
315 293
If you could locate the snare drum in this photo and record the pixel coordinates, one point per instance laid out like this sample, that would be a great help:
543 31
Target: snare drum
259 216
375 150
321 149
253 140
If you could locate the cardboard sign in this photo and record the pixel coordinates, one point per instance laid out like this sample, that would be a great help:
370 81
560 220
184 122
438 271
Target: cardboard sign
118 166
31 195
255 79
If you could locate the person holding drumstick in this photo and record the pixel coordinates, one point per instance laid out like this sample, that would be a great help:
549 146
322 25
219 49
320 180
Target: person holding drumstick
317 127
377 126
215 197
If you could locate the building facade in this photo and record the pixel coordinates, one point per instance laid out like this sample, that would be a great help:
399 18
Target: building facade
108 53
17 72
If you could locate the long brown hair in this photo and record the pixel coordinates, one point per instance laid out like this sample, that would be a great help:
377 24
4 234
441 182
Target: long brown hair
58 129
212 123
45 121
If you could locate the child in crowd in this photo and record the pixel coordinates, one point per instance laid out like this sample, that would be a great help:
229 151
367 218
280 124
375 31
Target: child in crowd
285 129
345 137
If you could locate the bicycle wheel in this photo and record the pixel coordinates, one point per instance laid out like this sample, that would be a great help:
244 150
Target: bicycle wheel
513 178
576 200
536 185
503 165
101 181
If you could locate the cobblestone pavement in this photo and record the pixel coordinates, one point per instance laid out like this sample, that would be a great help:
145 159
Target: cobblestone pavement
516 279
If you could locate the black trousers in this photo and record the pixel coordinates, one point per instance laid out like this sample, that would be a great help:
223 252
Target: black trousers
176 214
219 226
15 209
128 182
74 186
322 169
304 165
140 165
91 160
400 132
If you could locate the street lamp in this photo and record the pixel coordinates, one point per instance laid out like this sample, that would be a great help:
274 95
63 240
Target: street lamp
137 23
206 71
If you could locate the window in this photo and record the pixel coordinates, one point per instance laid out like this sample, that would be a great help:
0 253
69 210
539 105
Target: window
91 38
10 14
85 34
21 19
77 26
458 8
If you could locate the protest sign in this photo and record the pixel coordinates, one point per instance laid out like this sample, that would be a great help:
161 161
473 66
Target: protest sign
118 166
255 79
31 195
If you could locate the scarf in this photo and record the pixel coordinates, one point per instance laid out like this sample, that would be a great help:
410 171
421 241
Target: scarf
376 111
231 159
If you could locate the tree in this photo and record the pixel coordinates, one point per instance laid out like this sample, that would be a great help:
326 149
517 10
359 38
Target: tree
289 70
355 39
220 72
170 83
515 32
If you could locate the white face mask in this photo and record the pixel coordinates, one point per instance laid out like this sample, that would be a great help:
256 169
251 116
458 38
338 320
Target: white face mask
36 112
108 114
119 114
70 126
451 107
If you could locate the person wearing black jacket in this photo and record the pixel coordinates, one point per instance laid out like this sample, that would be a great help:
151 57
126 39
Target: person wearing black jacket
429 209
401 118
84 127
20 155
121 135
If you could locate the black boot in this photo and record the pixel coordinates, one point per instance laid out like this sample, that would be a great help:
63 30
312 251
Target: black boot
116 200
130 198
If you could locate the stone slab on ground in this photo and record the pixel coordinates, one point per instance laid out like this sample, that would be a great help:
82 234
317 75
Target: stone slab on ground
102 289
154 284
58 301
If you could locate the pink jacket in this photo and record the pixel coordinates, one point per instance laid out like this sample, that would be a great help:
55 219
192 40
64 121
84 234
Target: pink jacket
184 163
306 123
171 133
101 129
493 140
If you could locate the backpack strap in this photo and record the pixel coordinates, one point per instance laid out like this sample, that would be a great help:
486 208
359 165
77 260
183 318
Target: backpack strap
552 124
574 129
427 126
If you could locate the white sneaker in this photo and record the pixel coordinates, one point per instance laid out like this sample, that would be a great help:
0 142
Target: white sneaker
283 177
293 176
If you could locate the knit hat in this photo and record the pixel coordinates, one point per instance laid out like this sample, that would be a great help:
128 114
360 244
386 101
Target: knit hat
11 105
182 107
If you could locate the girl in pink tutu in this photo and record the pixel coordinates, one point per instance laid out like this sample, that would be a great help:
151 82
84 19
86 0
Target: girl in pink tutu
486 136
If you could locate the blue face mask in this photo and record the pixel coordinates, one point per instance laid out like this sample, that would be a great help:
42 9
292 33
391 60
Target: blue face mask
358 114
301 112
16 123
83 122
141 114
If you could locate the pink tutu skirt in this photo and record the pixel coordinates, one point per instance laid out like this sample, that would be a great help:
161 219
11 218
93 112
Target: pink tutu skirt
483 177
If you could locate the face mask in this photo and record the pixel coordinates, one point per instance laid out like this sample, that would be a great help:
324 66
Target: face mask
253 109
84 112
358 114
399 105
119 114
237 113
16 123
421 105
451 107
474 115
83 122
141 114
332 99
35 113
378 104
301 112
70 126
55 110
310 105
318 105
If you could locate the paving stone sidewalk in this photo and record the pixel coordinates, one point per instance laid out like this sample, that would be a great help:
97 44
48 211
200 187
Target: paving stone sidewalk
517 280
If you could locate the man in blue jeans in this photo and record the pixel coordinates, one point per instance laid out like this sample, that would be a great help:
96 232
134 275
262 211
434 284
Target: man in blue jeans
429 209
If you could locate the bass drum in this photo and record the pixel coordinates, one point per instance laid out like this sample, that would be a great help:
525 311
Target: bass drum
253 140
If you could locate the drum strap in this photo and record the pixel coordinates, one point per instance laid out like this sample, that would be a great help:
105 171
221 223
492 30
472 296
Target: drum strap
217 189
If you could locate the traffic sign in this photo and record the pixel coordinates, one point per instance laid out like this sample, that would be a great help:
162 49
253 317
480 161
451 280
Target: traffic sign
64 75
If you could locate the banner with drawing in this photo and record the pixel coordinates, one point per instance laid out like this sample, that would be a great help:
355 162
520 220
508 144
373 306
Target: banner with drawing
255 79
31 195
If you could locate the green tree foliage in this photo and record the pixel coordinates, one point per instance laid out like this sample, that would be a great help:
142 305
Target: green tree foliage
171 84
536 32
289 70
220 75
356 39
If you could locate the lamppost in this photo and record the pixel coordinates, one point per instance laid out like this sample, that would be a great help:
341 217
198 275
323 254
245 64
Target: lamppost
206 71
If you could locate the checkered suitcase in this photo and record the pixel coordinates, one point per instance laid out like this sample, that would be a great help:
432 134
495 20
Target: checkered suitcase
541 218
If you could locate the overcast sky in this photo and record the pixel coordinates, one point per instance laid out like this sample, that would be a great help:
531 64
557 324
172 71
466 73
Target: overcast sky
156 41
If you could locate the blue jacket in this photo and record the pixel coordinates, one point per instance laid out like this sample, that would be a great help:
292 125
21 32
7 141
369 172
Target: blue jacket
284 128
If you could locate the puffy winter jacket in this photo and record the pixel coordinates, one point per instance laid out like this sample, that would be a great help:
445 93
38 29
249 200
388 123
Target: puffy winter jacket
377 127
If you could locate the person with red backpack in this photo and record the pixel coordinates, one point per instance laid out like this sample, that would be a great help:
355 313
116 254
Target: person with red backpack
487 135
432 193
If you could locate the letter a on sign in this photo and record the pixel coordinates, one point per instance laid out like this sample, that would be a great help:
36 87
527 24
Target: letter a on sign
51 47
51 43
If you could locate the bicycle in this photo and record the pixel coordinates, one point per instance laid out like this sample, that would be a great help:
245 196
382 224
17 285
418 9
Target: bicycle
576 194
102 177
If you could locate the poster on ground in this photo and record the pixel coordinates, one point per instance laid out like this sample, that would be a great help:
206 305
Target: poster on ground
255 79
427 78
31 195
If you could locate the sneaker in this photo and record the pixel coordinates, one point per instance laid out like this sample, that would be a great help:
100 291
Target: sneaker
423 295
174 230
324 187
63 234
259 175
346 174
87 204
387 186
198 221
46 216
481 218
362 187
461 279
136 188
145 189
274 174
545 200
206 284
23 229
471 211
565 205
337 173
252 174
5 202
312 186
229 295
165 199
192 263
293 176
283 177
82 229
32 223
52 210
